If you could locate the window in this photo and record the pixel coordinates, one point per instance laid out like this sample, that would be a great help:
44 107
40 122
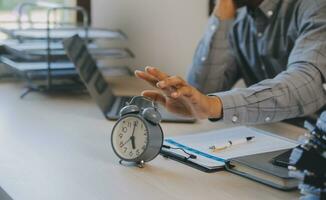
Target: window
32 17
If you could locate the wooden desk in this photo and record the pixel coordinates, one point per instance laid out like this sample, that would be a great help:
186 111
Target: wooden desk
57 147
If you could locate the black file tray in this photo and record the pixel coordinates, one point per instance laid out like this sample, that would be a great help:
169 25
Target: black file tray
38 56
38 53
37 70
23 65
62 33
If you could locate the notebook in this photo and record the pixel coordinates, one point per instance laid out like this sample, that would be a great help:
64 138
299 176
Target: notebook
260 168
198 144
252 159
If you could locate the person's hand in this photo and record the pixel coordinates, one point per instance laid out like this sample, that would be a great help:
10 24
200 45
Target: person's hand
225 9
179 97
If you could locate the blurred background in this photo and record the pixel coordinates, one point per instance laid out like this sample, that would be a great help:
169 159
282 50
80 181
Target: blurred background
161 33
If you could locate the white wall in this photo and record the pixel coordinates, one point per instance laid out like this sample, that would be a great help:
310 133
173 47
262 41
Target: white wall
161 33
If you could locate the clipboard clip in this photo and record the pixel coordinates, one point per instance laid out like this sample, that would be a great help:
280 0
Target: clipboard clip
190 156
186 160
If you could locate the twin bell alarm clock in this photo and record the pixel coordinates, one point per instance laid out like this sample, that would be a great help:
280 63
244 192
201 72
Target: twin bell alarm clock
137 136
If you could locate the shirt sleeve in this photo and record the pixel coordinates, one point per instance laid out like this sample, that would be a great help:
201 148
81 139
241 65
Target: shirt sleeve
214 67
298 91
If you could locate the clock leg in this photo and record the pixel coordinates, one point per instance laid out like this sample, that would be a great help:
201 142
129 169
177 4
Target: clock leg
141 164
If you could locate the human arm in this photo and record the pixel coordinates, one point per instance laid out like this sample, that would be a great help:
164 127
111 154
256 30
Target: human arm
178 96
298 91
214 67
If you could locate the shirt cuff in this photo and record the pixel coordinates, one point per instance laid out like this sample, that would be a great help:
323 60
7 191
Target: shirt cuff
233 112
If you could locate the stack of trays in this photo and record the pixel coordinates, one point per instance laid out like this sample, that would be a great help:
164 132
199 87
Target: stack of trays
38 57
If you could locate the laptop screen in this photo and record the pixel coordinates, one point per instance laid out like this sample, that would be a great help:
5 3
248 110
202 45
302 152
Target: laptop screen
89 72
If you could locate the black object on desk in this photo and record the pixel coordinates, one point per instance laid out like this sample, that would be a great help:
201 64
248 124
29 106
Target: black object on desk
308 161
282 160
260 169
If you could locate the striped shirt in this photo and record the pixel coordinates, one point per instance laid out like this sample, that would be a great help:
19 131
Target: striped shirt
279 49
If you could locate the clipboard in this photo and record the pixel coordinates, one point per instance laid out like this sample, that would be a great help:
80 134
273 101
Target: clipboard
210 162
186 161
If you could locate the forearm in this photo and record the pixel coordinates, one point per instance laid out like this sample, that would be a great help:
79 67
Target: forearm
296 92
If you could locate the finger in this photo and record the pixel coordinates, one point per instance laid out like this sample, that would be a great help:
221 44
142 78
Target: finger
154 96
147 77
173 81
153 81
156 73
184 91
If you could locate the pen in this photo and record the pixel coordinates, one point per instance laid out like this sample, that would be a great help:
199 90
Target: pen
230 143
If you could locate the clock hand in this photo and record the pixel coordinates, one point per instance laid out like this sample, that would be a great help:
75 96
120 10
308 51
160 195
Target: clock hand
133 138
133 142
125 142
133 131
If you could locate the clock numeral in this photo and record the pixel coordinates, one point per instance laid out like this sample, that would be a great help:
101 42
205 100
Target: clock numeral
135 123
125 149
137 152
130 153
129 124
120 135
124 129
121 144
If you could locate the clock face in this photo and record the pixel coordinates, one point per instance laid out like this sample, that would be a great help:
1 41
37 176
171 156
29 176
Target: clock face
130 138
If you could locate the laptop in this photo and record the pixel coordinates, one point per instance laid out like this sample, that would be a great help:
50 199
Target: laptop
109 103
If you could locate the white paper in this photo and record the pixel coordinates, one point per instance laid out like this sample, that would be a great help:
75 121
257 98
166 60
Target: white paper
262 143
